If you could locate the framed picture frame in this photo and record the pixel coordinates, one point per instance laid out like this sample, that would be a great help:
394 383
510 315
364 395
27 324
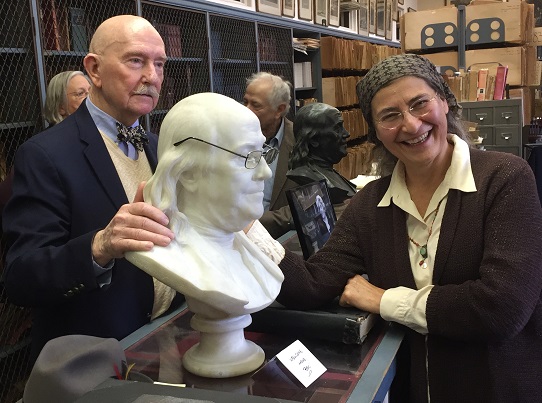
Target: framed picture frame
288 8
269 6
313 214
381 17
245 2
320 12
372 16
304 9
363 19
389 21
334 13
400 13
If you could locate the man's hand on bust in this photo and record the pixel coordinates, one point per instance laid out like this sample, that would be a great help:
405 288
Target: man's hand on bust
137 226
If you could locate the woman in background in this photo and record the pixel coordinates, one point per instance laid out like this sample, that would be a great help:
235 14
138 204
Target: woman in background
65 93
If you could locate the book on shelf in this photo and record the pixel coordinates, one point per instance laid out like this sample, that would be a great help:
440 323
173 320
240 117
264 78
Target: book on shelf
500 82
171 34
173 40
268 49
472 78
482 84
78 29
490 86
307 74
54 20
333 322
299 102
298 75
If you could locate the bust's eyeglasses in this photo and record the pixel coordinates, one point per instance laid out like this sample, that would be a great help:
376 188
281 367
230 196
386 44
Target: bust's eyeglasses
79 94
252 159
418 109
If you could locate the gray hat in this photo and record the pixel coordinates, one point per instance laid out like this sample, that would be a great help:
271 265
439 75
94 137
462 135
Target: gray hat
70 366
394 67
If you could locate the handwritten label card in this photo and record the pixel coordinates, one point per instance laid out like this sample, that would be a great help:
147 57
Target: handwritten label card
301 363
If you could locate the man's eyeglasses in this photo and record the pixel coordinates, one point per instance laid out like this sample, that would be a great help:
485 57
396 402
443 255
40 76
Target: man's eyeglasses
79 94
252 159
418 109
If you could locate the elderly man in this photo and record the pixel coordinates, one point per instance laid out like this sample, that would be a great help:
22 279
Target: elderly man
70 220
268 96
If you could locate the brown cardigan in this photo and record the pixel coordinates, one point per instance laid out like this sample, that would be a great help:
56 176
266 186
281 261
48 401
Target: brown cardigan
484 314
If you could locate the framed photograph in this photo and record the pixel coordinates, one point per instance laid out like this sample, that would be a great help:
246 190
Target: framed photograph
304 9
381 17
389 20
400 13
334 13
269 6
313 214
320 12
372 16
394 10
363 17
288 8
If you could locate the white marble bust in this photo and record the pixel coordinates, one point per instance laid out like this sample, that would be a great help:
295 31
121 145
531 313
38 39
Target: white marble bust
210 195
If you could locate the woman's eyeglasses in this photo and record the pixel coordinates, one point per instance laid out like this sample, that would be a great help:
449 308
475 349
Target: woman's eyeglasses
419 108
79 94
252 159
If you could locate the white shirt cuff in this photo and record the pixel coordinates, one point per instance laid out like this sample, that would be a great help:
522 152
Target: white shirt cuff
406 306
265 242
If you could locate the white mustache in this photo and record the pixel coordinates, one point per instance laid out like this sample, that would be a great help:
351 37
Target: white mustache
144 90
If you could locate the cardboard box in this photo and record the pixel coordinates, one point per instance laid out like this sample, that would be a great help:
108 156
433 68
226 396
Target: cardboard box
527 95
498 23
447 61
429 29
521 62
486 23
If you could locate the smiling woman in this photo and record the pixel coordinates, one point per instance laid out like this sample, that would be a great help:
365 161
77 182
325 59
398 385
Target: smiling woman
443 247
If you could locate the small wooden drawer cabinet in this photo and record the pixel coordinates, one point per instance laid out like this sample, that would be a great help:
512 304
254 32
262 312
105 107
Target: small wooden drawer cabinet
500 123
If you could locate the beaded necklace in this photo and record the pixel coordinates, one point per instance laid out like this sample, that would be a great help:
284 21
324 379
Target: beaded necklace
423 248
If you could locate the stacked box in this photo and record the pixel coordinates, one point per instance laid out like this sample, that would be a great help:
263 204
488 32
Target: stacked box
496 33
521 62
488 25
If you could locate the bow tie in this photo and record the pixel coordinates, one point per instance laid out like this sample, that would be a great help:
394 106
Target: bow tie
135 135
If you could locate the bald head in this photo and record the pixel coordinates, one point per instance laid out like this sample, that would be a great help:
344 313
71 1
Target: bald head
126 65
117 29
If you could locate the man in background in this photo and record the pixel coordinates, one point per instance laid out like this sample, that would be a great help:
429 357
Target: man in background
268 96
70 220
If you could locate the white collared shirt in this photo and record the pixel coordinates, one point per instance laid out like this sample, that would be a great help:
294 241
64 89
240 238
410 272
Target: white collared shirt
401 304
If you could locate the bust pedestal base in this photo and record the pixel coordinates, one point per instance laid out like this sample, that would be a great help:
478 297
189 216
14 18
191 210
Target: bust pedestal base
223 351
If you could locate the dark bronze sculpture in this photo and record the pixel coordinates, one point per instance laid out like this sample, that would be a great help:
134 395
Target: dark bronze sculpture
320 143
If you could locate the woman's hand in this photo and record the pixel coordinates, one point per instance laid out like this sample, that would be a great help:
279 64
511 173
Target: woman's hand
362 295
